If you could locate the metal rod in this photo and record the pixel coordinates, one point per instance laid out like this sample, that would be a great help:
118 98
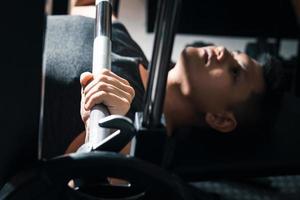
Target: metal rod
116 6
165 27
42 103
297 87
101 60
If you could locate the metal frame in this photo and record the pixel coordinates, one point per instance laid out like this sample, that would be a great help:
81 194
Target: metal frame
101 60
166 23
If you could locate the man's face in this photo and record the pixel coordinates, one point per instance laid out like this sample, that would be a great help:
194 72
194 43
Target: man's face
213 79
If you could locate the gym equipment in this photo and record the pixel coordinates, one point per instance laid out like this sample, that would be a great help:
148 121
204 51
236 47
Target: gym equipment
48 179
63 169
101 60
100 137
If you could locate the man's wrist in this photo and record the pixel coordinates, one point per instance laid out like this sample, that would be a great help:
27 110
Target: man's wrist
87 131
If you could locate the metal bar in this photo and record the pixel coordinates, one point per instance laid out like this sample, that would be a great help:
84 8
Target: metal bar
116 6
297 87
101 60
103 19
165 28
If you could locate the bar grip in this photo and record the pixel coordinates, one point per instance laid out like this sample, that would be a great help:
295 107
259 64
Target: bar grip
101 60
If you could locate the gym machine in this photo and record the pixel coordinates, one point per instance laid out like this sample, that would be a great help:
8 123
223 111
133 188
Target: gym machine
49 179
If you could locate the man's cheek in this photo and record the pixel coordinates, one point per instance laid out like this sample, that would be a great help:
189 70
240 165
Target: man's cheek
216 73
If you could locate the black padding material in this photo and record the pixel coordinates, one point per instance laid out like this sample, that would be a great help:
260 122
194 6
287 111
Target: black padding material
68 53
268 188
286 129
21 39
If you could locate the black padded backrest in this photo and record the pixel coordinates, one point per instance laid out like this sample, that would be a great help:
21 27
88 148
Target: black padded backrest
68 53
21 39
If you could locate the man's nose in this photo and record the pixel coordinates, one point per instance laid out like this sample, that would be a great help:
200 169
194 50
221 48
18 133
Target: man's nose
221 53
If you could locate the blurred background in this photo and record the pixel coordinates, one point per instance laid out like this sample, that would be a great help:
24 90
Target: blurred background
138 16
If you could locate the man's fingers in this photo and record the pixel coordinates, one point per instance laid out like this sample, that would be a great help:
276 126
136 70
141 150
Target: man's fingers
114 103
122 80
109 89
110 81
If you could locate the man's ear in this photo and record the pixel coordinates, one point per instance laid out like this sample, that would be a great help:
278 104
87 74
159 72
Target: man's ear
224 122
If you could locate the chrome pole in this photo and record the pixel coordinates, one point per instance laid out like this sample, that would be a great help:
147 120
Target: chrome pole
165 28
101 60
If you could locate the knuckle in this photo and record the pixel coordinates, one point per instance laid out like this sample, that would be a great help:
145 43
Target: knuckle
105 71
103 78
102 86
132 92
126 82
100 94
126 103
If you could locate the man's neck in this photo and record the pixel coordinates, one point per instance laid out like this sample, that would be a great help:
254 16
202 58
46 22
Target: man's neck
177 108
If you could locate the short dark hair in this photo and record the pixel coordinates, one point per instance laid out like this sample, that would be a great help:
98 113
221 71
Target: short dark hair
257 113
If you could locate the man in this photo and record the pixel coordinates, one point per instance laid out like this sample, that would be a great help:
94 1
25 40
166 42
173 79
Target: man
208 80
208 87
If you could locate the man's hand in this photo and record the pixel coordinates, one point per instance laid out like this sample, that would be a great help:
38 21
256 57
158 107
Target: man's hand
107 88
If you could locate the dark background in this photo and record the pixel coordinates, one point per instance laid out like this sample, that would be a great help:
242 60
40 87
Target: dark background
254 18
21 49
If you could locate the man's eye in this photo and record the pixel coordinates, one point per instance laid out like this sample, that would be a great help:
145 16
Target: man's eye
235 71
237 52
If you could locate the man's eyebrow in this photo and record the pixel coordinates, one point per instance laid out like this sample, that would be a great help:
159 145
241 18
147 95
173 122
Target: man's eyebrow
237 51
238 61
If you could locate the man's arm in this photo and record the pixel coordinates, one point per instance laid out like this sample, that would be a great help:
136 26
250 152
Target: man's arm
84 2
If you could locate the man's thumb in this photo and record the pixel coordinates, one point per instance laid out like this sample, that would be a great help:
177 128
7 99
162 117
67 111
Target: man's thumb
85 78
